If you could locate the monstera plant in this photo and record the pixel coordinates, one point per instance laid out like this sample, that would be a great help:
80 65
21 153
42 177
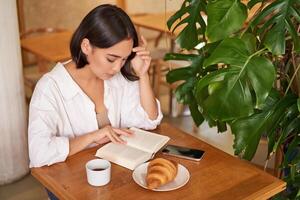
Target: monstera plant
244 73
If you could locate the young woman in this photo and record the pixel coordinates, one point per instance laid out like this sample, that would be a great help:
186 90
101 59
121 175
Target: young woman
91 99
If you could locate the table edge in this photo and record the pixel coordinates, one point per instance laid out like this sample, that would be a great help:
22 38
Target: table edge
57 192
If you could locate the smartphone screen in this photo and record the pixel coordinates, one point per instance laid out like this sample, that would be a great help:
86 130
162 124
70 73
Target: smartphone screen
183 152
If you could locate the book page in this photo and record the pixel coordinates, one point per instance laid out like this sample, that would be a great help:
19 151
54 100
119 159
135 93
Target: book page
145 140
123 155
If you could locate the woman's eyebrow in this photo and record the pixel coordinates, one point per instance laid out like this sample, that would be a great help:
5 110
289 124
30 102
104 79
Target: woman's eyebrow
113 55
116 56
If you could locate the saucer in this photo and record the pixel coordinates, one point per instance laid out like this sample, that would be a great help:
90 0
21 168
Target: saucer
182 177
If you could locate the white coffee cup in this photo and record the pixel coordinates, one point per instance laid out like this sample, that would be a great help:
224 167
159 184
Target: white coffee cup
98 172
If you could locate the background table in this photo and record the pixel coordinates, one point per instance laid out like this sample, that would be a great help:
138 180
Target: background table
217 176
156 22
51 47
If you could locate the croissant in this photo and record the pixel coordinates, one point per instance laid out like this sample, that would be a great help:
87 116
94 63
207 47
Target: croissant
160 172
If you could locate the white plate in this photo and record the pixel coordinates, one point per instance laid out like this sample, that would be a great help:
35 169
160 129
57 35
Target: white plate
183 176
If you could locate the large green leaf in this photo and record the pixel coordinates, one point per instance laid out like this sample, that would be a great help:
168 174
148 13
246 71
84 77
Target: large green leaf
210 97
248 133
179 74
296 13
280 14
280 112
250 42
291 164
294 34
290 114
196 115
189 16
291 150
184 91
234 81
261 74
232 50
245 72
248 130
224 18
186 72
178 56
220 101
211 78
275 39
294 125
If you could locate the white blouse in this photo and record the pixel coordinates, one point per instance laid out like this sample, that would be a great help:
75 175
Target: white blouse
60 110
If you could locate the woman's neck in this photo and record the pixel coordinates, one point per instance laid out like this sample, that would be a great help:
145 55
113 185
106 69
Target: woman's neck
83 74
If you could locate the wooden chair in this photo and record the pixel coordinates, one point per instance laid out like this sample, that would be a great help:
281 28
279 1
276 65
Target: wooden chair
31 78
155 38
27 61
161 68
32 32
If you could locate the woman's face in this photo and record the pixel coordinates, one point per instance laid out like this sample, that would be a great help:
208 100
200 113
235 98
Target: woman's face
106 62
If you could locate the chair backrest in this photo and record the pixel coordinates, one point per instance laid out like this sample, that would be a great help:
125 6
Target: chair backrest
27 58
122 4
44 30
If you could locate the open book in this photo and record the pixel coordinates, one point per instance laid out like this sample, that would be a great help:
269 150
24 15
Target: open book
139 148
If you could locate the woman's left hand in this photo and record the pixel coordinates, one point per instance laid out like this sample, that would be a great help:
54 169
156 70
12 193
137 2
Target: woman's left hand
141 62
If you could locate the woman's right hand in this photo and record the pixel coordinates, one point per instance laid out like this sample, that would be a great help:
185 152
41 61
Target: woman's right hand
109 133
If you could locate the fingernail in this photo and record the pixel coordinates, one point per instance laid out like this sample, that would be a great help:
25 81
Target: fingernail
130 132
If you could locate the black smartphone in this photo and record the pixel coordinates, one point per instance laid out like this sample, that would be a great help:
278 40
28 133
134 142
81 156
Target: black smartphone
183 152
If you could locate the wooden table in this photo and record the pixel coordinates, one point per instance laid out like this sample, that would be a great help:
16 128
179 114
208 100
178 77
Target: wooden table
156 22
50 47
217 176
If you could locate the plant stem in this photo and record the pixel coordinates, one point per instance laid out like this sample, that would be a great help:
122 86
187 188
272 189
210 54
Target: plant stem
258 52
290 83
297 81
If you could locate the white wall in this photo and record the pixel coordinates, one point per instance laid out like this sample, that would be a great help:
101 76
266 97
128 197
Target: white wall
13 134
68 13
224 142
152 6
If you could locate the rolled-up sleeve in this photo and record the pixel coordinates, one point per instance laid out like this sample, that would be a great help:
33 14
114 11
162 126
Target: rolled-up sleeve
133 114
45 146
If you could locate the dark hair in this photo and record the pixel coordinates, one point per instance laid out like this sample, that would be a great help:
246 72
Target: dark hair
104 26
